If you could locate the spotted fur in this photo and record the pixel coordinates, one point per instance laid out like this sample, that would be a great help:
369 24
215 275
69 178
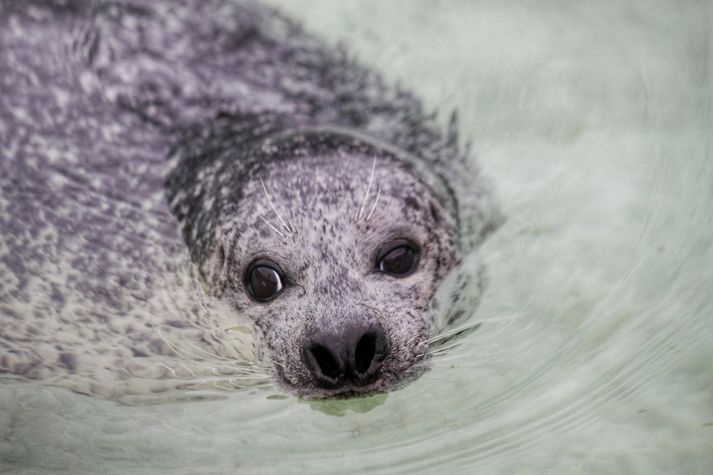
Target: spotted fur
134 134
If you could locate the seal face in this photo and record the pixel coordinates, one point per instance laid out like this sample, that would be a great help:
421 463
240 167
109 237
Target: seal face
332 245
336 257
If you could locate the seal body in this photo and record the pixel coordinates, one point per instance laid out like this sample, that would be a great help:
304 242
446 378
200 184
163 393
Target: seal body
317 204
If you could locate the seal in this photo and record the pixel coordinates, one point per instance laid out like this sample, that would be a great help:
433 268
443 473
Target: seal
320 204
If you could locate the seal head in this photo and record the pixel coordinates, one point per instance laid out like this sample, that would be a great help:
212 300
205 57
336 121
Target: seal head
332 243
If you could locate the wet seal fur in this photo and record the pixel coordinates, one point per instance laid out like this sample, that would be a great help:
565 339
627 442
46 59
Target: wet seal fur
278 146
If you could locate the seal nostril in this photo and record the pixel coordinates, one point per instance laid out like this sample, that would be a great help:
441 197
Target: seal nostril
326 361
364 353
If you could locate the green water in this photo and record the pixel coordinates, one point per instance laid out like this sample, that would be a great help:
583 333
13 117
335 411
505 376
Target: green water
594 121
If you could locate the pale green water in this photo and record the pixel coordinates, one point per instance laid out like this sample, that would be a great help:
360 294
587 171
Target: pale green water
594 121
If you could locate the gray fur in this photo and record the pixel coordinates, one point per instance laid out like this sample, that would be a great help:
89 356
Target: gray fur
278 146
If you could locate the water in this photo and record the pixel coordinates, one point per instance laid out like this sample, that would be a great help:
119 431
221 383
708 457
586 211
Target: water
596 355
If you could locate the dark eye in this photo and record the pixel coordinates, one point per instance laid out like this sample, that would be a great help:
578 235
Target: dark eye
264 281
399 258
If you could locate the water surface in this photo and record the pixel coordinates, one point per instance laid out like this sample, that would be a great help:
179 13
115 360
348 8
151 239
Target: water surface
594 121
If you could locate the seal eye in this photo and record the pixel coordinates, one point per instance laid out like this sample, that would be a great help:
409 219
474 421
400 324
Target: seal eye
398 258
264 281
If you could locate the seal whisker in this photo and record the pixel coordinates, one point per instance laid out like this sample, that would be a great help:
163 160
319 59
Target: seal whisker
368 190
223 366
193 358
210 354
173 348
440 343
273 227
190 371
216 385
453 333
279 216
376 201
292 228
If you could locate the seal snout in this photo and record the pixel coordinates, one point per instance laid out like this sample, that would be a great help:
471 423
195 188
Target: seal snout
348 358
